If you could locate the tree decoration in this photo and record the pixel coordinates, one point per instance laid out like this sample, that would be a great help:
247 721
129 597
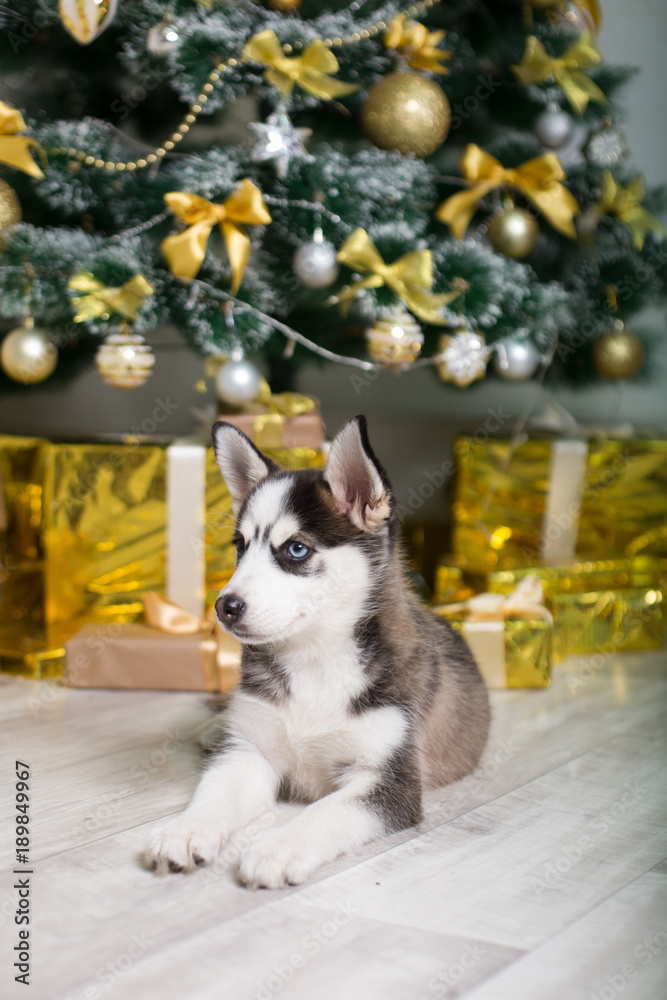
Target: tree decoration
313 71
537 67
618 354
284 6
577 13
607 146
553 127
163 37
514 232
15 148
516 360
462 356
407 112
625 202
185 251
27 354
85 20
417 45
10 210
237 381
99 300
395 339
125 360
278 140
539 179
315 264
410 277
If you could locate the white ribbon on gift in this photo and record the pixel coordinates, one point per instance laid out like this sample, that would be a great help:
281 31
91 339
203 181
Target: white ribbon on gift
488 612
560 523
186 509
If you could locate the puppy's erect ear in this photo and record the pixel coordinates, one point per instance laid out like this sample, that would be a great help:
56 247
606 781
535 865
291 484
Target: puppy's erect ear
240 463
358 482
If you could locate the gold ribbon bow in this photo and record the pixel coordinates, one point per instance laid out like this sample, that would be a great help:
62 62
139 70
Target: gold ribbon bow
411 276
279 406
536 66
14 148
418 44
539 179
185 252
312 70
221 653
100 300
626 204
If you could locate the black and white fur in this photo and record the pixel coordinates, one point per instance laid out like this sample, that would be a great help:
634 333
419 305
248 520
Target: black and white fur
352 698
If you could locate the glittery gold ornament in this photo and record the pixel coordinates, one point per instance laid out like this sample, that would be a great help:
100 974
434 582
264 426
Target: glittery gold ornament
462 356
514 232
27 354
10 210
408 112
124 360
395 339
85 20
619 354
284 6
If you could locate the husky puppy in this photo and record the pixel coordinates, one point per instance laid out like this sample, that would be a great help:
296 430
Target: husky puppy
353 698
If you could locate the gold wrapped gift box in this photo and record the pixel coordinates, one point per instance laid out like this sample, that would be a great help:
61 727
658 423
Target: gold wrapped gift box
502 499
599 605
513 652
84 537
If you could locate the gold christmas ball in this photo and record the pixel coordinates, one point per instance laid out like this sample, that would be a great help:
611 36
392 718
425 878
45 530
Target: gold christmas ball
408 112
124 360
514 232
27 354
619 354
284 6
10 210
395 339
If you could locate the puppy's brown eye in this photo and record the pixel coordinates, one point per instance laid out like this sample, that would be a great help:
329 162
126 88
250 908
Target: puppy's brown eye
297 550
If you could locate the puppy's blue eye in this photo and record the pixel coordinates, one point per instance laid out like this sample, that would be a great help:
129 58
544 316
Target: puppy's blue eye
297 550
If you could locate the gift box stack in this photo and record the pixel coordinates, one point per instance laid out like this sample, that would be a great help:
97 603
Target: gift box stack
585 518
87 530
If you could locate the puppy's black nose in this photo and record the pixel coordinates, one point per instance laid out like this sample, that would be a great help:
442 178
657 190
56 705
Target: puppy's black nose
229 608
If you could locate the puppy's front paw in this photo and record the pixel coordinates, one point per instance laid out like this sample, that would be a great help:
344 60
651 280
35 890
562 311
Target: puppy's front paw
275 859
182 844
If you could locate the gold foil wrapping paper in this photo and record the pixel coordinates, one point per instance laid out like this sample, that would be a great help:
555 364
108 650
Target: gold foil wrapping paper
85 537
502 495
520 660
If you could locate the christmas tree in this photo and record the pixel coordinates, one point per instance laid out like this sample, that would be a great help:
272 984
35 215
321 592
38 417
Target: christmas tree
382 185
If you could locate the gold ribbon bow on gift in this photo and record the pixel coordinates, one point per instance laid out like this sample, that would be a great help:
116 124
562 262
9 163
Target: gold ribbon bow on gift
312 70
100 300
221 653
539 179
417 44
185 251
626 204
411 276
537 66
268 427
14 148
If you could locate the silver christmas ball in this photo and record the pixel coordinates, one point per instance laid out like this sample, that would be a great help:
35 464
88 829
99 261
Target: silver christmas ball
237 382
553 127
516 360
162 38
315 263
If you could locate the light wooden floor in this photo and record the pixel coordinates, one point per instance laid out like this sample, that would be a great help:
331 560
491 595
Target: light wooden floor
541 877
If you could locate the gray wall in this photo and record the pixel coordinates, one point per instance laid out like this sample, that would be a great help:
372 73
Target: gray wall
413 417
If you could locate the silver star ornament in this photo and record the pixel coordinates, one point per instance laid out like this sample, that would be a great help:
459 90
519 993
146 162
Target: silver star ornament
278 140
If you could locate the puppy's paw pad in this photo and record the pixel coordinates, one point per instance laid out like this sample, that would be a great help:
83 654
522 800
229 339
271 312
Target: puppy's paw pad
274 861
182 845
